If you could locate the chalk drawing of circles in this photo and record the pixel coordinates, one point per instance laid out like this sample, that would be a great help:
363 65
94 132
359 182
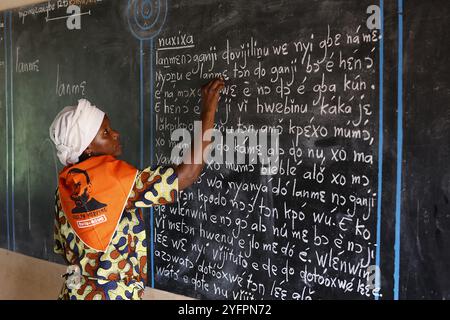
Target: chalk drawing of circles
146 17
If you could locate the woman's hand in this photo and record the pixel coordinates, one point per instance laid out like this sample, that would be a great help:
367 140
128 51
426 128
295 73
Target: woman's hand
211 94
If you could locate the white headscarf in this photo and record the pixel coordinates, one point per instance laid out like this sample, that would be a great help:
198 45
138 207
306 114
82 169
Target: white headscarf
73 130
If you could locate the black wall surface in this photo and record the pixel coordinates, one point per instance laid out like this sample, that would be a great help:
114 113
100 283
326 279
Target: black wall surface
353 125
425 261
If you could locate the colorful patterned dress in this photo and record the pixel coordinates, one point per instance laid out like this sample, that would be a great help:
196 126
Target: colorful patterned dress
119 273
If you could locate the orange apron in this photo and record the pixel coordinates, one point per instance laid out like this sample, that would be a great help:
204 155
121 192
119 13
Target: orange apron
93 196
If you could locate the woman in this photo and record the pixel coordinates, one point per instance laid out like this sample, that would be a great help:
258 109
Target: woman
99 226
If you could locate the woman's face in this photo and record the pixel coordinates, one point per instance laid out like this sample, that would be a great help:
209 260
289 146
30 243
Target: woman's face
106 142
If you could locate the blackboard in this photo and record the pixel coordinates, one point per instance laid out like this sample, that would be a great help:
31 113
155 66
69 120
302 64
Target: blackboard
426 170
357 90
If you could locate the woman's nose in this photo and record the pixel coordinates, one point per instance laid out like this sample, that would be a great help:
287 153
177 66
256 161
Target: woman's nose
116 135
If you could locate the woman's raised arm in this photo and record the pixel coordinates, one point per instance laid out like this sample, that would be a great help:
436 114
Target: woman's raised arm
189 171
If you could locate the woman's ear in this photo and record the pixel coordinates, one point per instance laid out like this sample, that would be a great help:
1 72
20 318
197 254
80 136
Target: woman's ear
88 152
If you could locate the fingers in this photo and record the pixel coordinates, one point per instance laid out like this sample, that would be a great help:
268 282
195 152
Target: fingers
211 94
214 85
217 84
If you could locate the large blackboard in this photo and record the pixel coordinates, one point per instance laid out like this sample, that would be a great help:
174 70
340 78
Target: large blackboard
363 183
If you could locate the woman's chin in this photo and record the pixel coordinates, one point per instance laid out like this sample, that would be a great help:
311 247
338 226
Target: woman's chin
118 152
